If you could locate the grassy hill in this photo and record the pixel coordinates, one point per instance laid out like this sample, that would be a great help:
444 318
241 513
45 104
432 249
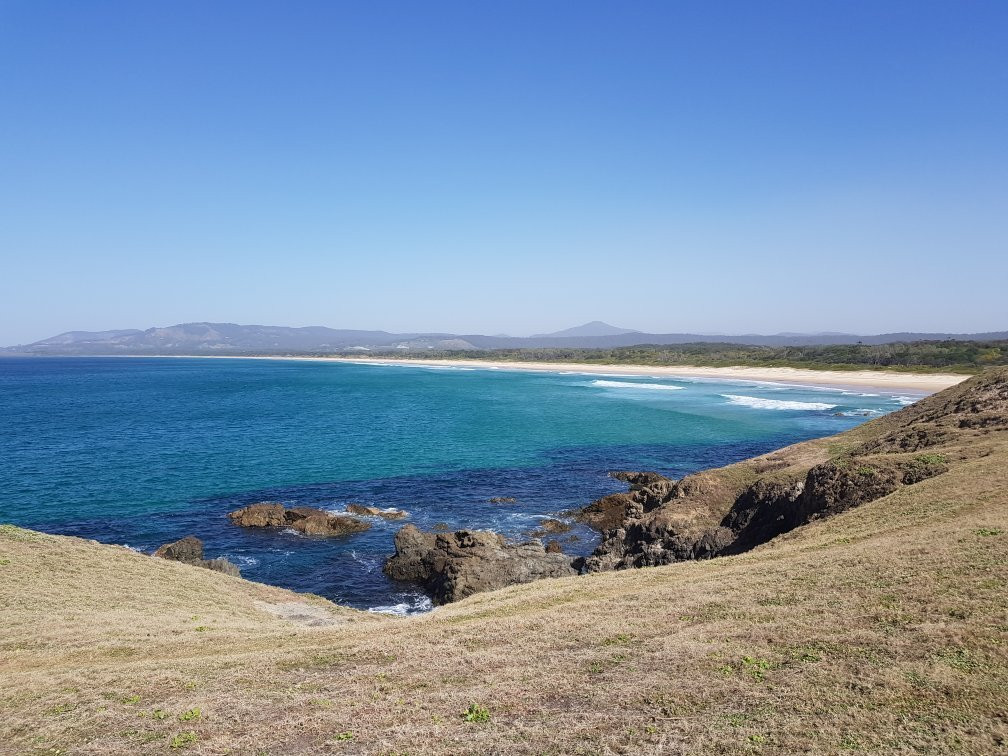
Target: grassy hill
883 628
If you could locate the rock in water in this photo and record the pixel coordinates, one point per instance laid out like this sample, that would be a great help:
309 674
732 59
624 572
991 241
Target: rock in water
265 514
638 480
386 514
307 520
452 566
189 550
550 527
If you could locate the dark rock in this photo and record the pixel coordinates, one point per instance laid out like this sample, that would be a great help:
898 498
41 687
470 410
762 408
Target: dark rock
638 480
832 488
609 512
503 500
452 566
554 547
654 541
924 467
189 550
307 520
262 515
550 527
763 511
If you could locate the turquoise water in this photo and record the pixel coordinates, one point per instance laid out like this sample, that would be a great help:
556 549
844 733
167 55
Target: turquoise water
143 451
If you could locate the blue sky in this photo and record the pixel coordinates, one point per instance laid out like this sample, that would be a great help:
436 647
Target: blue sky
504 166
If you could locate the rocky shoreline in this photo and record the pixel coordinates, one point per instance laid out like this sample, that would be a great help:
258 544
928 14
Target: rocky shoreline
726 510
658 520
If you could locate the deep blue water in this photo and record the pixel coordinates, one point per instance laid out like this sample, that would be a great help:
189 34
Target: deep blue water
143 451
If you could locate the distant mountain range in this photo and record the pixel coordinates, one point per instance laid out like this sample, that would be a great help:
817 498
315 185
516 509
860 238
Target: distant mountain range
228 338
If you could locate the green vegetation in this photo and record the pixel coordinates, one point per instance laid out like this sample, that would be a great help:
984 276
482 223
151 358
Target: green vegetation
918 356
476 713
190 715
183 739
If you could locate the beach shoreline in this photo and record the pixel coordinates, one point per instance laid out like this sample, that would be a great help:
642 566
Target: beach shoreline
924 383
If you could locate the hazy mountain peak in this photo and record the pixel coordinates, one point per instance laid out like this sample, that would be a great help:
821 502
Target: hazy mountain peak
594 328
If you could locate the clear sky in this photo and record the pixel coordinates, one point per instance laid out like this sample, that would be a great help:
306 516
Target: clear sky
513 167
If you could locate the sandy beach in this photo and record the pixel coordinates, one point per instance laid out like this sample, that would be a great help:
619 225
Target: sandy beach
926 383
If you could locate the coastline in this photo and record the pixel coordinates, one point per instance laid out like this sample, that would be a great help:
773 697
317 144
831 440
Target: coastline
925 383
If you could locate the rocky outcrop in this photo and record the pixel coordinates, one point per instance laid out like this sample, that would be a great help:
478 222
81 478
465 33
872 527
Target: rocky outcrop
611 511
189 550
262 515
503 500
701 517
638 480
451 566
385 514
305 520
733 509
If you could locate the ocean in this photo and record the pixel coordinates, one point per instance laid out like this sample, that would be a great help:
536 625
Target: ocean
143 451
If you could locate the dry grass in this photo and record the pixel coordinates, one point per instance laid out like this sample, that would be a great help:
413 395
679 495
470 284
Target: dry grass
883 629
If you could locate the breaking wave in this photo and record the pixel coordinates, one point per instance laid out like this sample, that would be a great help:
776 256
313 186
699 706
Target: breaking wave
628 384
775 404
415 603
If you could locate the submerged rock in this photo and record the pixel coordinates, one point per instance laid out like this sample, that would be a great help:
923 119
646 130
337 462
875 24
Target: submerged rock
307 520
386 514
452 566
503 500
550 527
189 550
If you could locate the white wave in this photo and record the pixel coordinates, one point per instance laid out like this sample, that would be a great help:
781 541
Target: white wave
242 561
370 564
863 412
775 404
905 400
133 548
645 386
418 605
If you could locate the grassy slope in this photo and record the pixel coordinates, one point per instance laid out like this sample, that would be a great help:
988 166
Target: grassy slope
884 628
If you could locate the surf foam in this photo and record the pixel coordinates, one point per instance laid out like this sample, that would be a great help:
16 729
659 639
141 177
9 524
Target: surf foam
775 404
628 384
